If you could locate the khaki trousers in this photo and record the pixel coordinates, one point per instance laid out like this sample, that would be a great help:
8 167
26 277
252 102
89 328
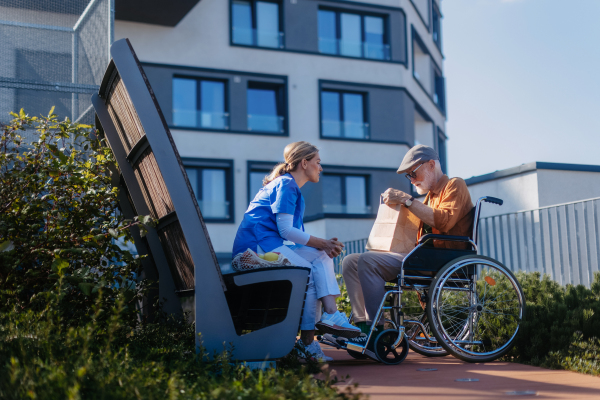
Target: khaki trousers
365 276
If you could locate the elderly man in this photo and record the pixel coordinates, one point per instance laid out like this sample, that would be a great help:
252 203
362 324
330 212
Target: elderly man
445 210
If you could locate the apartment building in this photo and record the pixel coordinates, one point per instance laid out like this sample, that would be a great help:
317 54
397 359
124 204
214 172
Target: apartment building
237 80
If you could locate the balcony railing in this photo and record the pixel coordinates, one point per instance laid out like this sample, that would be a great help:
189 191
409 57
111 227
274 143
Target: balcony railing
265 123
214 209
200 119
354 49
254 37
345 209
345 129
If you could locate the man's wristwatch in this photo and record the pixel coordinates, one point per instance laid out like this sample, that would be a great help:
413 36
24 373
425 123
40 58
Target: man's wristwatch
409 202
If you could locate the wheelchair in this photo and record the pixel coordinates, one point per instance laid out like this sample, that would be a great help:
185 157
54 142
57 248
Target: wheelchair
457 302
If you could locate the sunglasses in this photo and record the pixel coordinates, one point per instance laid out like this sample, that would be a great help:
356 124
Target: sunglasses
413 175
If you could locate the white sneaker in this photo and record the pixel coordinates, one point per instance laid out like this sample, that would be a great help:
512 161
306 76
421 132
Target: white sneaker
337 324
315 349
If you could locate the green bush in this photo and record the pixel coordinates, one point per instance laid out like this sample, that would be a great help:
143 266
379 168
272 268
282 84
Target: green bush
69 317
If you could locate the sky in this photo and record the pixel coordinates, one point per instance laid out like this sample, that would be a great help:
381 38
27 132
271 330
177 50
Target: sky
522 82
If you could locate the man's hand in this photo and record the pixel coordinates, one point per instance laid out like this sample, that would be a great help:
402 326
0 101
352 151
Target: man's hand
394 196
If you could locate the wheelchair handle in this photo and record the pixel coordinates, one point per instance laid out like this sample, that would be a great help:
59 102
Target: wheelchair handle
493 200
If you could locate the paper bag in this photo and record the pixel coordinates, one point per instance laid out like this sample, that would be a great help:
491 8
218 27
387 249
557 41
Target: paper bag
395 229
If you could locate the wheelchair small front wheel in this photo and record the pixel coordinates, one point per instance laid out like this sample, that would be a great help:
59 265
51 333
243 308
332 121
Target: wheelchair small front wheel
384 350
476 308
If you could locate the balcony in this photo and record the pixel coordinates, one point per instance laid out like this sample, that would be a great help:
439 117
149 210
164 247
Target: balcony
345 129
201 119
254 37
265 123
354 49
214 209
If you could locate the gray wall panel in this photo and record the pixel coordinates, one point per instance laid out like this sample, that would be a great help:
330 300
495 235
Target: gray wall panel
301 26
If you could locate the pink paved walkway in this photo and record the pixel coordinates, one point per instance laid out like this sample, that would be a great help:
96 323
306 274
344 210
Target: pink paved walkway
496 380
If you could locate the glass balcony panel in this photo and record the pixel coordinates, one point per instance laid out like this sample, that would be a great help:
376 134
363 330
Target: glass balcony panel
253 37
346 209
265 123
355 130
184 117
376 51
331 128
328 45
214 209
215 120
345 129
350 48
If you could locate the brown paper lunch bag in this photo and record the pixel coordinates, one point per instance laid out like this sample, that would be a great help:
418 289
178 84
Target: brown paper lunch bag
395 229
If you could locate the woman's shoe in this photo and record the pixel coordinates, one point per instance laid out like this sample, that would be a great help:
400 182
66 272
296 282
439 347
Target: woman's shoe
337 324
314 350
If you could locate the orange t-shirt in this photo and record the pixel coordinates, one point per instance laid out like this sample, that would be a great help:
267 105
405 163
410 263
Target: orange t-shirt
451 203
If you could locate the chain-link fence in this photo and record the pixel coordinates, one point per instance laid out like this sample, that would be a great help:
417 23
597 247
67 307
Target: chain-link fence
53 53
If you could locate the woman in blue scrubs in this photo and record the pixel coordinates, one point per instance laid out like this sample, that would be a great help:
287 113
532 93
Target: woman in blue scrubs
274 216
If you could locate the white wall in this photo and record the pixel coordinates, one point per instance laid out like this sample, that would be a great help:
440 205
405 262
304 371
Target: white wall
519 192
556 187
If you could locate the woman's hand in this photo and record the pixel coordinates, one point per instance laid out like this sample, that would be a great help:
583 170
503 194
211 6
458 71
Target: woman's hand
332 247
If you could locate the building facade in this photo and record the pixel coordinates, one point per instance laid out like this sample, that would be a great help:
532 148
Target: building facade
238 80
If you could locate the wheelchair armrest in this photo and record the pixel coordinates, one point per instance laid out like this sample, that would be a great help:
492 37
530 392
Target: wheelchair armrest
444 237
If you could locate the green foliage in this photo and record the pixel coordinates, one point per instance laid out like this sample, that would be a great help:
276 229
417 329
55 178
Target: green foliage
59 219
69 322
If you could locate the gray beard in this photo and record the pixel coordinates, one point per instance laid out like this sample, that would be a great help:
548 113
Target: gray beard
422 190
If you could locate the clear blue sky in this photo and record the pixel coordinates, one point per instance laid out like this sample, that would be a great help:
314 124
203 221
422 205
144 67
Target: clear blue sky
522 81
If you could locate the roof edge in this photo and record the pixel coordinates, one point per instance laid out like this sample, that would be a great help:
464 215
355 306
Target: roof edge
532 166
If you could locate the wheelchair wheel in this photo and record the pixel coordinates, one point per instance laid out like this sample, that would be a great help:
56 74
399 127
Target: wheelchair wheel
475 309
417 338
384 351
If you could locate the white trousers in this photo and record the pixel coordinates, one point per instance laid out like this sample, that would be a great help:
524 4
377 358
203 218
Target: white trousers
321 282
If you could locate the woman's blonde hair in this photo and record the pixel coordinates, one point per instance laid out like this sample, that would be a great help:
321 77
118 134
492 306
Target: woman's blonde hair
293 154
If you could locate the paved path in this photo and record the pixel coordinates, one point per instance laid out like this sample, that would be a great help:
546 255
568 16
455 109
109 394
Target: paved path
496 380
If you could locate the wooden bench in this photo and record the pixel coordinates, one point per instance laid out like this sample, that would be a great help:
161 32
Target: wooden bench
258 311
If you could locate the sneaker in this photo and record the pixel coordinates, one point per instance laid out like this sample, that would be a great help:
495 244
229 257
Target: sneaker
337 324
314 349
362 339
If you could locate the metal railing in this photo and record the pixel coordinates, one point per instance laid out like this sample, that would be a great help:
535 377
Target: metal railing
562 241
351 247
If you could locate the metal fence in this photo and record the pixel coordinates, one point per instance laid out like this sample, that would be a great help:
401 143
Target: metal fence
351 247
53 53
562 241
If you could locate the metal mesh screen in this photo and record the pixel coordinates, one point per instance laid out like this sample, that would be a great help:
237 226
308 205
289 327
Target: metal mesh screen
53 53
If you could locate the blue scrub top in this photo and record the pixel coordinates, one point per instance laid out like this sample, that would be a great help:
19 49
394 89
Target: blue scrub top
259 226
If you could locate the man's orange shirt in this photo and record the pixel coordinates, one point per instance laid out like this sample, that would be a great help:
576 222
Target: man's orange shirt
452 205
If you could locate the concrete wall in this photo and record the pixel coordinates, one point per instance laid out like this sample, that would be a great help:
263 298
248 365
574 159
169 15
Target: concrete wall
556 187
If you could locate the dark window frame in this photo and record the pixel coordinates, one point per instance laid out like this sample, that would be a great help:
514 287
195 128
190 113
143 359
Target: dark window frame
442 152
344 200
436 69
199 80
280 103
252 169
340 92
216 164
280 3
435 11
429 12
338 26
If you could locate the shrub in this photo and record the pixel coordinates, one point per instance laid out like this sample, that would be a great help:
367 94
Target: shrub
69 322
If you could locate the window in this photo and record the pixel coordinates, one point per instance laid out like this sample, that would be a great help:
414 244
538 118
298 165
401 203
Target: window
422 66
422 7
199 103
343 115
345 194
256 23
265 107
425 132
352 35
441 148
436 31
439 95
212 185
